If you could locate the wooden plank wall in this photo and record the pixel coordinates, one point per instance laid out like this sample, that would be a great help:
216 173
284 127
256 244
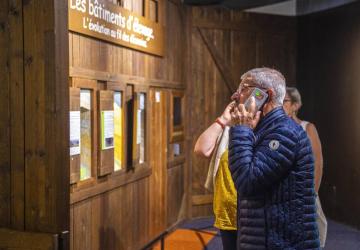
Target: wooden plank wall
244 41
5 118
11 126
129 215
34 190
34 116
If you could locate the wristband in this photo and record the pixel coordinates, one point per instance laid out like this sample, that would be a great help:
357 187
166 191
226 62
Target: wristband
222 125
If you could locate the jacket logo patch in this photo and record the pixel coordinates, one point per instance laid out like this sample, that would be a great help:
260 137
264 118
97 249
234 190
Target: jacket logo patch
274 145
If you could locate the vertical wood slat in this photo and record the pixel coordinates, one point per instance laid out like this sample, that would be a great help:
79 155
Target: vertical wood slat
5 116
75 50
222 65
130 126
71 228
158 161
82 226
187 78
174 191
74 159
17 117
136 147
106 156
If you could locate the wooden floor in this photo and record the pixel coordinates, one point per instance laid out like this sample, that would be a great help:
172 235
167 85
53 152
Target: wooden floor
185 239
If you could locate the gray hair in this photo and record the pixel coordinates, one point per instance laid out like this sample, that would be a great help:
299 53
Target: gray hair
294 95
269 79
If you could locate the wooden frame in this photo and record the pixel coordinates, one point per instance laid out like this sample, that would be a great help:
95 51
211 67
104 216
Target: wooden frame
114 181
74 159
174 161
115 77
142 89
119 3
160 10
105 101
120 87
91 85
176 132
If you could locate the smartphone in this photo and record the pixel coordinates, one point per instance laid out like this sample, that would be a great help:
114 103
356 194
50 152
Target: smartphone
260 97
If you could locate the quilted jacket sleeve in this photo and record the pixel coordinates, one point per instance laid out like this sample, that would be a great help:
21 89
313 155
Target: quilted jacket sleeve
255 166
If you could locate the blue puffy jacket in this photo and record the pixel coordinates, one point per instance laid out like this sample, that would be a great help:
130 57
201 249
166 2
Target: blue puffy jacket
273 171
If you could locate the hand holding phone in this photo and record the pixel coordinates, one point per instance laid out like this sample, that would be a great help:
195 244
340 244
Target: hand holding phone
260 98
248 114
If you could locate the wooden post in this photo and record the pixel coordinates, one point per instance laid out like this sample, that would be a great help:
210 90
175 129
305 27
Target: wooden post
34 144
46 100
187 76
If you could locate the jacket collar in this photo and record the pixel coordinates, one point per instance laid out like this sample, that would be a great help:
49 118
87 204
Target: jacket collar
270 117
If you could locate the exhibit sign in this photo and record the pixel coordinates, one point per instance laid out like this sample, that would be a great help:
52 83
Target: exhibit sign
109 22
107 129
74 133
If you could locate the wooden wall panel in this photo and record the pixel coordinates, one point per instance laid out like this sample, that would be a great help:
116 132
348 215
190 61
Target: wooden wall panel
46 116
209 96
158 154
20 240
199 211
277 51
16 77
82 226
175 193
5 173
243 56
118 219
34 68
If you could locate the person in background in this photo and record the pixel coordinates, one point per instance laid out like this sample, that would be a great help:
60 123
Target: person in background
213 142
292 104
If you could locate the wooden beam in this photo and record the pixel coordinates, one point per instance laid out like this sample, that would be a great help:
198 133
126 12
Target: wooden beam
115 77
16 60
5 181
186 15
112 183
223 66
202 199
10 239
245 22
46 101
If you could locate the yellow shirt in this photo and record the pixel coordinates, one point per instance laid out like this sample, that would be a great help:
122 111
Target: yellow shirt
225 197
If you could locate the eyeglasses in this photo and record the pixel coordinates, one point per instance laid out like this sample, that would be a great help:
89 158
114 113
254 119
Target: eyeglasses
244 88
287 100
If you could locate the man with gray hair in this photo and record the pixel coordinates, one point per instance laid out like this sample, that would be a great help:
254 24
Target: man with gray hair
272 165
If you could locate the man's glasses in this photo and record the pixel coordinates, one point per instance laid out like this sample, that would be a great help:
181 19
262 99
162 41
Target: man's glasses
244 88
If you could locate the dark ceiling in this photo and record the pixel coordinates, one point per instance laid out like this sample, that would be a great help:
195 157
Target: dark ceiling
233 4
